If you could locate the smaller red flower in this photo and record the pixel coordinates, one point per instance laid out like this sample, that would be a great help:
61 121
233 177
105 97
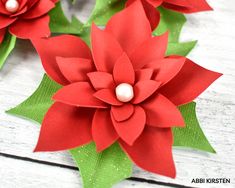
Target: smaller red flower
123 90
25 19
183 6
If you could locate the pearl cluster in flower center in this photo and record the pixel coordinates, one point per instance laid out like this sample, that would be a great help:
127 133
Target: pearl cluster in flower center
12 6
124 92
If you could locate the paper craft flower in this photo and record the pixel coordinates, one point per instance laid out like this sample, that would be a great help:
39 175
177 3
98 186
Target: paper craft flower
25 19
124 90
183 6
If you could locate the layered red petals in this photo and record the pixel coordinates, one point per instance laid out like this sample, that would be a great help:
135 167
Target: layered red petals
130 129
2 34
78 94
122 113
153 48
101 80
60 46
123 71
144 89
105 48
125 27
189 83
75 69
103 132
152 151
160 112
187 6
107 96
65 127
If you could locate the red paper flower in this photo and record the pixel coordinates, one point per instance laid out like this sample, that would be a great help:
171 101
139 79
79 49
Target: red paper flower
125 90
183 6
25 18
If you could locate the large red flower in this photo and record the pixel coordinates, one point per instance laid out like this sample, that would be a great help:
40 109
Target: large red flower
183 6
25 18
124 90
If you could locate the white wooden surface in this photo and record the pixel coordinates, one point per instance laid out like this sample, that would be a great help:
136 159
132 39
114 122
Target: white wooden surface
216 111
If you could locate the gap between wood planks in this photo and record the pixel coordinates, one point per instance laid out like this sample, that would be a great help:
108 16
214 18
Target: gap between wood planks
142 180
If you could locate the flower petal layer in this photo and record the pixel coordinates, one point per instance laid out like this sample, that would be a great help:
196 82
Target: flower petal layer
65 127
107 96
143 74
105 49
151 50
144 89
125 26
6 21
123 71
29 29
122 113
160 112
75 69
2 34
103 132
132 128
41 8
101 80
152 151
189 83
60 46
78 94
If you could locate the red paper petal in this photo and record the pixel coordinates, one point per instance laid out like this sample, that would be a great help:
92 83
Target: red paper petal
75 69
167 68
29 29
143 74
2 34
190 7
122 113
189 83
149 7
101 80
78 94
152 151
106 50
41 8
108 96
65 127
6 21
150 50
161 112
60 46
3 9
123 71
144 89
130 27
103 132
132 128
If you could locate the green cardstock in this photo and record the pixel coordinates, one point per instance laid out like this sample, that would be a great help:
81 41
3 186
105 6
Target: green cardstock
6 48
60 24
173 22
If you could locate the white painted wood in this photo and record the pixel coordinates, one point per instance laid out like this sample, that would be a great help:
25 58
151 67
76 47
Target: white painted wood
216 109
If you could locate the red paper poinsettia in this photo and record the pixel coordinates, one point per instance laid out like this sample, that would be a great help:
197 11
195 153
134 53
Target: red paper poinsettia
124 90
183 6
25 18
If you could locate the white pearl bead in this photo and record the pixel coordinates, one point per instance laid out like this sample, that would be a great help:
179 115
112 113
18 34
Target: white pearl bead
124 92
12 6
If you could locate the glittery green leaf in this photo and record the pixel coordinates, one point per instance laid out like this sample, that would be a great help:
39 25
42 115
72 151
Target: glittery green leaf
6 47
192 135
60 24
102 170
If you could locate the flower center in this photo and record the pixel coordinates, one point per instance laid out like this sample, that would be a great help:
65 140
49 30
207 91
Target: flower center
124 92
12 6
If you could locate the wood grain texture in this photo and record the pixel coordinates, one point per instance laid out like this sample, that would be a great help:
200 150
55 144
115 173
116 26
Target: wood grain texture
215 108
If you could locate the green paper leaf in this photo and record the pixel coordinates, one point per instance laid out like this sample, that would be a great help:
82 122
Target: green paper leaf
104 10
36 106
192 135
102 170
60 24
6 48
173 22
